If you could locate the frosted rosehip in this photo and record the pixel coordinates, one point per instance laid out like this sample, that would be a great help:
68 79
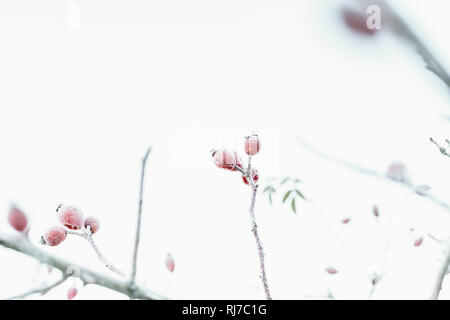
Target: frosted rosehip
224 159
17 219
331 270
54 236
92 223
418 242
252 145
71 293
170 263
70 217
255 176
346 220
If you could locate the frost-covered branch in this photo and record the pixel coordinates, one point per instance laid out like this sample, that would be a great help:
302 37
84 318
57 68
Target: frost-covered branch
441 148
23 245
43 290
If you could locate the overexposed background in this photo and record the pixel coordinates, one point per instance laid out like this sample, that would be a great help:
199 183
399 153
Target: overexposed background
81 102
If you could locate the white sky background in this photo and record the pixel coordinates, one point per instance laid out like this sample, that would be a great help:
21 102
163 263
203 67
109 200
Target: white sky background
78 109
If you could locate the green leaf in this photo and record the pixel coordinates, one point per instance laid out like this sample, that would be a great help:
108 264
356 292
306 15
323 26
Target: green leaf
284 180
269 189
300 194
270 199
286 196
297 180
293 205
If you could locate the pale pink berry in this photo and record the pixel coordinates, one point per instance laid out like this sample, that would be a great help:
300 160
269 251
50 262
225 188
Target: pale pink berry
54 236
170 263
418 242
255 176
346 220
92 223
224 159
71 293
331 270
397 171
70 217
252 145
375 211
17 219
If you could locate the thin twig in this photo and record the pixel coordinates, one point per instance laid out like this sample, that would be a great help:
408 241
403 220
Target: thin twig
139 218
441 148
373 173
42 290
88 276
256 234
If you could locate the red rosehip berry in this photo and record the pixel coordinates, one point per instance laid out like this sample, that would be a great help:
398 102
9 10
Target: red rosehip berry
224 159
418 242
375 211
92 223
252 145
17 219
346 220
331 270
70 217
71 293
54 236
356 21
255 176
170 263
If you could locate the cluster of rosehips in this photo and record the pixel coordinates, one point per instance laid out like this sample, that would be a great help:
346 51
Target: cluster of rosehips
72 219
230 160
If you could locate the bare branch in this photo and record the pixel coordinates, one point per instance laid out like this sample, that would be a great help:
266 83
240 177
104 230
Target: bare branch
139 218
23 245
442 273
259 246
42 290
373 173
441 148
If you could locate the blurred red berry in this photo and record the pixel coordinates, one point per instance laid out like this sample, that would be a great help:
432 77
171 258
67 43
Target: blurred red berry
331 270
356 21
70 217
375 211
418 242
224 159
170 263
71 293
255 176
346 220
17 219
252 145
54 236
92 223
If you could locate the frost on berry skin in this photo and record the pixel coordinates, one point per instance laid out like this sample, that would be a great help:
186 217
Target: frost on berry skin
17 219
331 270
238 161
255 176
375 211
346 220
170 263
418 242
252 145
224 159
71 293
92 223
70 217
54 236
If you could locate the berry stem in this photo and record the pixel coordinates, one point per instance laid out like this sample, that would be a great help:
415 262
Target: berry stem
256 234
